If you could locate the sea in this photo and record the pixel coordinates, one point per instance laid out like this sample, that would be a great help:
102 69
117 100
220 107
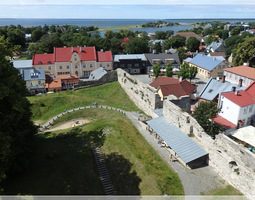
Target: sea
184 23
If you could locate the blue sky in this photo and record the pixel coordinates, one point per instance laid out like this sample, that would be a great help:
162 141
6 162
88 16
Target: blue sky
131 9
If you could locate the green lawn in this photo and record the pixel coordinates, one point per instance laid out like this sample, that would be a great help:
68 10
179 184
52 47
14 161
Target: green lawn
62 166
226 191
111 94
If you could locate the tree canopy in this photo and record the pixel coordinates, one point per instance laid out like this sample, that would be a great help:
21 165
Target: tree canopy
192 44
137 45
16 128
187 71
156 70
169 70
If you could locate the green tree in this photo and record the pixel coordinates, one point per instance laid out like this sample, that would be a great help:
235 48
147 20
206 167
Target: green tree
210 39
156 70
192 44
137 45
160 35
158 47
169 70
37 34
187 72
204 113
245 51
177 41
169 33
16 129
235 31
109 34
181 53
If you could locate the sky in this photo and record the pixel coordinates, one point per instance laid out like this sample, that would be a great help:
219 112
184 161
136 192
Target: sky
131 9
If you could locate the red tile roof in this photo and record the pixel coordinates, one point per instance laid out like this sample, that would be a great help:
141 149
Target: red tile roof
43 59
104 56
222 121
55 81
243 98
182 88
162 80
243 70
218 54
64 54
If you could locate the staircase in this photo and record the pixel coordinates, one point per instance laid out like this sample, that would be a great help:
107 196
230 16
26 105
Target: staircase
104 175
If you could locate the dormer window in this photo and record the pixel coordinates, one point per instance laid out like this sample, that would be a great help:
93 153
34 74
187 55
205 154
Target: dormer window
49 62
39 62
156 61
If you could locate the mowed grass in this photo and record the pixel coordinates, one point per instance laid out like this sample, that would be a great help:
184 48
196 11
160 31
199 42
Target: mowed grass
63 166
226 191
111 94
135 167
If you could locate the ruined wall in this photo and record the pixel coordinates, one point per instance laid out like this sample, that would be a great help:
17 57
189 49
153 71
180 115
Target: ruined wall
143 95
232 161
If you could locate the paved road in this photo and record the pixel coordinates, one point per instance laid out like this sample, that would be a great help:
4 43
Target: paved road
195 181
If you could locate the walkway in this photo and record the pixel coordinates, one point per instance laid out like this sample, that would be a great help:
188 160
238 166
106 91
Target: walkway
195 181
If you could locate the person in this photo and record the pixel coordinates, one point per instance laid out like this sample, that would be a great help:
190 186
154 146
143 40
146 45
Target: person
171 157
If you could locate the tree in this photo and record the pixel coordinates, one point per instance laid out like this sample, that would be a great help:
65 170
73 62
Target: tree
158 47
36 34
177 41
192 44
156 70
109 34
235 31
210 39
204 113
169 70
16 129
245 51
137 45
187 72
181 53
160 35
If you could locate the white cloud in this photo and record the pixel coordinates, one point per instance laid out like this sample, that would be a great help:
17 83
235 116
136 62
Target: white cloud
130 2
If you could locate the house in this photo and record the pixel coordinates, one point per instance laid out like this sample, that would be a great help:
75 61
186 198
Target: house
131 63
171 86
57 83
237 108
217 54
229 27
187 35
214 87
35 80
234 74
208 66
22 65
216 47
105 60
97 74
163 59
72 60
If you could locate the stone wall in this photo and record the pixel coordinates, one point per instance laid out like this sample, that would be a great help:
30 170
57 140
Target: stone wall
143 95
107 78
232 161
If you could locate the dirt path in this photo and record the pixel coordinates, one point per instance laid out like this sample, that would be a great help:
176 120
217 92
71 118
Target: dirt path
68 124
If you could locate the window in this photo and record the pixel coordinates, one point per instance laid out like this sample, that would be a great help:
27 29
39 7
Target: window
108 65
210 91
84 65
49 67
39 82
101 65
250 109
49 62
67 67
230 75
243 80
245 111
60 67
76 66
75 59
136 64
143 64
129 65
122 65
91 65
86 74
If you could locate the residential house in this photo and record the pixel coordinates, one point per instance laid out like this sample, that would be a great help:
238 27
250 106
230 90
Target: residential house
72 60
234 74
171 86
163 59
208 66
229 27
57 83
212 54
35 80
214 87
21 65
105 60
131 63
237 108
216 47
187 35
97 74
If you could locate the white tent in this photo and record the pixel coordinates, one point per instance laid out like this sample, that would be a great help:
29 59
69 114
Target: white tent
246 134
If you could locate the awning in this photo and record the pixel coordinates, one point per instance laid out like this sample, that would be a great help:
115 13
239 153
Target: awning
246 134
181 144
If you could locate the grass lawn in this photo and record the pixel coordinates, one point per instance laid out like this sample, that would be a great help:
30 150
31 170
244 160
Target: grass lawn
62 166
111 94
226 191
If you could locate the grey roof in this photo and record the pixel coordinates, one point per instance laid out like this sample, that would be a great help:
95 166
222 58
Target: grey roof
159 111
31 74
184 146
162 57
22 64
206 62
218 57
97 73
129 57
214 46
214 87
187 59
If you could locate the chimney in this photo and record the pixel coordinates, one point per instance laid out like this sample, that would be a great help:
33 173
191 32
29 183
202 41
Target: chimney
240 82
72 49
223 79
166 51
236 92
245 64
217 78
154 51
233 89
80 49
180 79
101 50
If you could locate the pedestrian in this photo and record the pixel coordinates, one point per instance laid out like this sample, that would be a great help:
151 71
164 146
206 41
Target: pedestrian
171 157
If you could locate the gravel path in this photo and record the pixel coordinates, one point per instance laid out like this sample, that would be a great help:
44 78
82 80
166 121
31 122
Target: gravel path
195 181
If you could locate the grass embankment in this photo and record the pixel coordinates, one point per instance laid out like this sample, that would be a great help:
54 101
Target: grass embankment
226 191
62 166
110 94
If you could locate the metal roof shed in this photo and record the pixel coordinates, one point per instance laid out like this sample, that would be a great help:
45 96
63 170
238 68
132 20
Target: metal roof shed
181 144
